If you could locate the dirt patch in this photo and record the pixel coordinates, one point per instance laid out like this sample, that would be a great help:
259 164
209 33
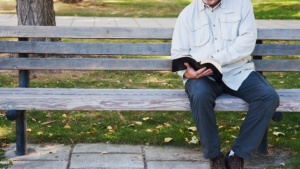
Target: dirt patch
275 158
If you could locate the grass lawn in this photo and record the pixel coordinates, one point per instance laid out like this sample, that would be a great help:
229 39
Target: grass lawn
264 9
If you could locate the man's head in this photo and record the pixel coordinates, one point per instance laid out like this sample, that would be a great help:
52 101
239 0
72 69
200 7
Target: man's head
211 3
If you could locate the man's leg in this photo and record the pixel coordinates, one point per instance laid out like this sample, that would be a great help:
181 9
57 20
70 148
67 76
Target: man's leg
263 101
202 95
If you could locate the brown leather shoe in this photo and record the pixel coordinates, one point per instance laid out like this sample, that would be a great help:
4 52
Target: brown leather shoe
234 162
217 162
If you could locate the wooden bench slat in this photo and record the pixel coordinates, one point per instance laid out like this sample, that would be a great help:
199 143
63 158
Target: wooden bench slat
276 50
124 99
85 48
126 48
124 64
130 33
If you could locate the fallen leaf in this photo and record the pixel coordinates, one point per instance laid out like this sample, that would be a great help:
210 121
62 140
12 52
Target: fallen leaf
28 130
242 119
48 122
67 126
155 131
233 136
138 122
192 128
194 140
40 133
109 128
168 139
159 126
186 139
278 133
222 127
50 134
277 139
181 131
148 130
227 141
282 164
167 124
146 118
64 115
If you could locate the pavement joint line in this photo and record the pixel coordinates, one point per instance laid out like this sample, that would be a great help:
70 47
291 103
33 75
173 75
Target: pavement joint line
70 156
144 157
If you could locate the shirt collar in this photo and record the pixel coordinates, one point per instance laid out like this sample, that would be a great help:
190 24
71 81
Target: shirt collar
202 5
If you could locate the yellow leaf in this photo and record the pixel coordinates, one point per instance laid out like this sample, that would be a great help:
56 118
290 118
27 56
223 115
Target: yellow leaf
233 136
155 131
138 122
222 127
227 141
28 130
50 134
109 128
186 139
181 131
192 128
67 126
146 118
159 126
277 139
168 139
149 130
278 133
167 124
64 115
39 133
194 140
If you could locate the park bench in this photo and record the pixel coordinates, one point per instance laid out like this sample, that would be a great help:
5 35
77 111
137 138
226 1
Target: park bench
18 100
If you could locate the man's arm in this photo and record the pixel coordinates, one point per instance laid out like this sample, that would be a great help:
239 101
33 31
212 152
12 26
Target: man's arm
245 42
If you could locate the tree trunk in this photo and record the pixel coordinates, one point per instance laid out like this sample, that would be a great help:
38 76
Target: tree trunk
36 13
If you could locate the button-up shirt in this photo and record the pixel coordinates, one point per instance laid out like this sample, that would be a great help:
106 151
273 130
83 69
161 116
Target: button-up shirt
227 33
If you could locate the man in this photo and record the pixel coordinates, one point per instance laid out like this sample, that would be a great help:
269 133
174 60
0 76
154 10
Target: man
225 31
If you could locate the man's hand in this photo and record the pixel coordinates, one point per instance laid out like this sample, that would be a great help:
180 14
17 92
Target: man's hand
190 73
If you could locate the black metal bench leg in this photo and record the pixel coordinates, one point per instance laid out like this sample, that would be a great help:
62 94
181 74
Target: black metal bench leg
21 133
21 124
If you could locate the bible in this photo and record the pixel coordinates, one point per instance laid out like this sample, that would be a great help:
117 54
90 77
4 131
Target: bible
178 64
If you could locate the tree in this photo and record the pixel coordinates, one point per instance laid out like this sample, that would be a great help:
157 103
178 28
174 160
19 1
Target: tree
36 12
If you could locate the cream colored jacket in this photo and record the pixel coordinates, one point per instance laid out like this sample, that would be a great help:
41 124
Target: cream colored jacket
226 33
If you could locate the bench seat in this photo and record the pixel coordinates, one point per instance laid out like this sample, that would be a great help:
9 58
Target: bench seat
124 99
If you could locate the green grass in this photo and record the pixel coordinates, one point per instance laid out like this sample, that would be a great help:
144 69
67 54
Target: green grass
264 9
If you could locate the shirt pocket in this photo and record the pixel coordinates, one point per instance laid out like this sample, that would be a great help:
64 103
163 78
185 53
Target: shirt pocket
229 26
199 34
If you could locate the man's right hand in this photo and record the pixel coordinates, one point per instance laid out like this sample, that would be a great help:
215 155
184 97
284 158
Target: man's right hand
190 73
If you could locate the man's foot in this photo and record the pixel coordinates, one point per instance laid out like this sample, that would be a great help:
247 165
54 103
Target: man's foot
217 162
234 162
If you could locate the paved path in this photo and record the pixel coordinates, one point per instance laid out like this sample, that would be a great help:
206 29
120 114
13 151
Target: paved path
11 20
111 156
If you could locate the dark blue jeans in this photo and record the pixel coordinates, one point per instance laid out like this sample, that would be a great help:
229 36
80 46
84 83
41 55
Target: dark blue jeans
255 90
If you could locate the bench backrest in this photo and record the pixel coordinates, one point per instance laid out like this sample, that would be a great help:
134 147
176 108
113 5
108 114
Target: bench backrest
146 49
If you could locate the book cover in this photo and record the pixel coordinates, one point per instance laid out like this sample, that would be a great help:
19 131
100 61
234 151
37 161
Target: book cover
178 64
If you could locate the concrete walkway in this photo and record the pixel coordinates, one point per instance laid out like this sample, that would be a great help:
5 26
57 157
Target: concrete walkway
111 156
11 20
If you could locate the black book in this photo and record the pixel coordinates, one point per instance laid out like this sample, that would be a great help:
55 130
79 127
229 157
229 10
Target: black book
178 64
